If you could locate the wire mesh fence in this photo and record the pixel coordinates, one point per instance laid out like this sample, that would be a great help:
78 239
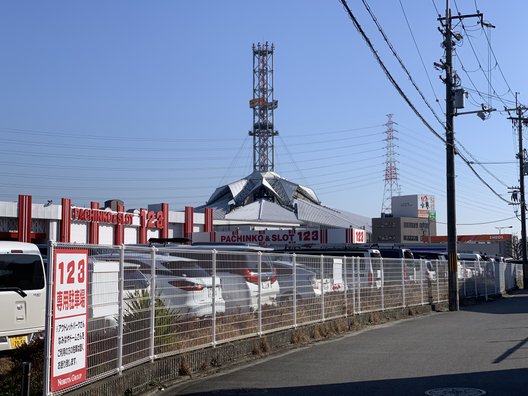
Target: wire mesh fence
148 302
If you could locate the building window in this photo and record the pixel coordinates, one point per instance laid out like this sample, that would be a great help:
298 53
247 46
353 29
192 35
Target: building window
410 225
410 237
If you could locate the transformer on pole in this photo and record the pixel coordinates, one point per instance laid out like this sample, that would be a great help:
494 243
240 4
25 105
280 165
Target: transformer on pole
263 104
392 186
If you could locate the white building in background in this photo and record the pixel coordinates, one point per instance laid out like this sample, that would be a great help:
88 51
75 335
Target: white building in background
110 224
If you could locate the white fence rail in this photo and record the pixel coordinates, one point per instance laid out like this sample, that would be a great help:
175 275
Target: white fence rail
146 302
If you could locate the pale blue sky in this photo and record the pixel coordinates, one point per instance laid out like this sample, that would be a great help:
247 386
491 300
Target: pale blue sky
148 101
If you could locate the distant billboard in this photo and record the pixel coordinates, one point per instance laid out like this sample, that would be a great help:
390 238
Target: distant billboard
421 205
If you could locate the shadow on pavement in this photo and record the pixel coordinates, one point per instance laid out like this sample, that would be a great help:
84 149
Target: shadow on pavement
515 302
506 382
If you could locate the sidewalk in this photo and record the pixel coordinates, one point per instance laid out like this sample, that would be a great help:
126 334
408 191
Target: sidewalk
480 347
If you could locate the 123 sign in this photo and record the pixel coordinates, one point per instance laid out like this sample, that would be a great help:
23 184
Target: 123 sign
69 324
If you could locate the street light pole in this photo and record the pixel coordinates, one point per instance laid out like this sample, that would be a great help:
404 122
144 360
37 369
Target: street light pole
502 228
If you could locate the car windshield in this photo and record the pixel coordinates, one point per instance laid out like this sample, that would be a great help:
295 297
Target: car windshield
134 280
21 270
186 269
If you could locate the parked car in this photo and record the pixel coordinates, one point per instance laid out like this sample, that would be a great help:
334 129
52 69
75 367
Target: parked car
180 283
432 259
365 269
392 264
22 294
473 262
237 266
303 285
103 313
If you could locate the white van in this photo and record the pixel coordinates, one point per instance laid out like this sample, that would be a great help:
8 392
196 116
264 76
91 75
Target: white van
364 261
471 262
22 294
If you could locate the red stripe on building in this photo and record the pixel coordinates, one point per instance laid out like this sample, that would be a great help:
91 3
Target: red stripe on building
164 232
189 222
119 228
142 226
208 226
24 218
324 235
94 226
65 220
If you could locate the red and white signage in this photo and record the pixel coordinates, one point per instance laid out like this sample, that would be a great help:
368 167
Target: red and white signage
70 318
306 236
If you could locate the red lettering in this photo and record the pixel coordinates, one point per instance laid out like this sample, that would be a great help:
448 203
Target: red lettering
150 219
160 219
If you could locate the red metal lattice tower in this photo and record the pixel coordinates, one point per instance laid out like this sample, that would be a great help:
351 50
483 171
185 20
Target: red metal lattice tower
392 186
263 105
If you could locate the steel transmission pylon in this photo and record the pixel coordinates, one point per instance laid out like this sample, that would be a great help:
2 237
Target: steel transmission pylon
263 105
392 186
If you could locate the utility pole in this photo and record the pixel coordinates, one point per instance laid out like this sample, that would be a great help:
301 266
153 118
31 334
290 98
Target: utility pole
451 83
518 121
450 168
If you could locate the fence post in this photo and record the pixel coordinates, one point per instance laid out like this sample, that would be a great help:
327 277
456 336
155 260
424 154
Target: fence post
346 284
486 278
402 261
437 283
422 280
475 276
357 280
354 310
260 293
464 276
49 310
26 378
382 284
294 267
121 282
152 323
213 330
322 289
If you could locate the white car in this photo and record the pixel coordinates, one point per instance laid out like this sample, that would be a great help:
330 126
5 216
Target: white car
237 267
103 313
180 283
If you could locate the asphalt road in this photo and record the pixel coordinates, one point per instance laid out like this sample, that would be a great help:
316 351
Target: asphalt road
481 347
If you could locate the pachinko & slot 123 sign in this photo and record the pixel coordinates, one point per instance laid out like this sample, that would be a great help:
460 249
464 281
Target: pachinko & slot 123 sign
69 323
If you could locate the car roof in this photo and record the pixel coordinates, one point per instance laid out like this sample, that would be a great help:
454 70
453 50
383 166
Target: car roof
144 256
24 247
224 247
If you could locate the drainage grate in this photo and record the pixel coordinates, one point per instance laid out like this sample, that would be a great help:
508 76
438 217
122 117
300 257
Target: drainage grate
455 392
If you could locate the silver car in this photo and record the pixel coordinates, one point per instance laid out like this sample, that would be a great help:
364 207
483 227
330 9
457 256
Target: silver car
184 286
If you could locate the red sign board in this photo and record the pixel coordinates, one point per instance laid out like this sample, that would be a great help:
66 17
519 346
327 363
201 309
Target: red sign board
70 318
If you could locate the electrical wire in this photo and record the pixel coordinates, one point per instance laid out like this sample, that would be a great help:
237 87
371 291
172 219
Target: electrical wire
420 55
387 73
393 50
402 94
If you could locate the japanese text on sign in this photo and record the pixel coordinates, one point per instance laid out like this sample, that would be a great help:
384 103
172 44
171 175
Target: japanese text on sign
70 293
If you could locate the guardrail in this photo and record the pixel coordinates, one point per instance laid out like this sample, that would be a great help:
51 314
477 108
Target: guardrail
144 303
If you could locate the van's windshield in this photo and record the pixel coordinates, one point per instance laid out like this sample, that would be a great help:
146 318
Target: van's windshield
23 271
